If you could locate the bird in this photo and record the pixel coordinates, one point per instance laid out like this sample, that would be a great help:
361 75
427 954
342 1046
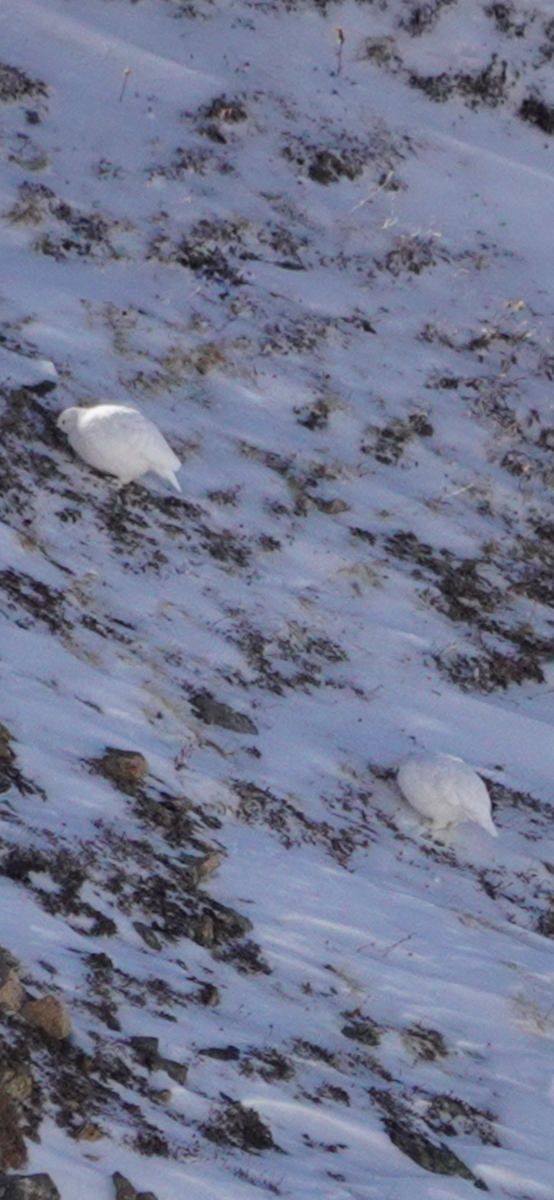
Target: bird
119 440
446 790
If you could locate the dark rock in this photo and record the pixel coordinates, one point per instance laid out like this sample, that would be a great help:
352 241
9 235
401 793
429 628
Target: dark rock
223 1053
20 862
145 1050
28 1187
209 995
439 1159
42 388
147 1053
228 923
176 1071
147 934
124 1189
215 712
171 815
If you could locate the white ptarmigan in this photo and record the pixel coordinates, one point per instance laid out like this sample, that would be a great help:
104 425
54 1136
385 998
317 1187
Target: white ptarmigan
119 440
445 790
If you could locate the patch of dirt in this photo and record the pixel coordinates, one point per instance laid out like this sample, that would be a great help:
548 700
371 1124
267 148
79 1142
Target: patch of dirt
422 18
413 253
362 1029
189 160
271 1065
294 827
489 670
291 659
489 86
535 111
427 1045
72 233
387 443
16 85
241 1128
506 19
452 1117
480 593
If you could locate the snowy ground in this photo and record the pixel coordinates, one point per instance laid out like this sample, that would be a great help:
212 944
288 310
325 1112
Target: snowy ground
313 243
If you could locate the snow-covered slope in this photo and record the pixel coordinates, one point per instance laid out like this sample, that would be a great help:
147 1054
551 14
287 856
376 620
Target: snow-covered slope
312 243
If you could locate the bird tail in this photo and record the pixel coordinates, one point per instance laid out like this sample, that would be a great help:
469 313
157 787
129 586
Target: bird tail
487 822
172 478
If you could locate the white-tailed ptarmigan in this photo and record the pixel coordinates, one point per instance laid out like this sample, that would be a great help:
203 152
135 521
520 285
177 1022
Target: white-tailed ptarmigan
119 440
445 790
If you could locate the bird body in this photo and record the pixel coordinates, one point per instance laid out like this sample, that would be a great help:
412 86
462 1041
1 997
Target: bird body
119 440
445 790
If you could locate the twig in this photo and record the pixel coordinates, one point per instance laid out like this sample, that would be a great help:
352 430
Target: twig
383 184
126 74
340 40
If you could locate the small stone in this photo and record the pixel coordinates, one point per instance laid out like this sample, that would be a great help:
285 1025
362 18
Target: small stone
221 1053
332 507
48 1014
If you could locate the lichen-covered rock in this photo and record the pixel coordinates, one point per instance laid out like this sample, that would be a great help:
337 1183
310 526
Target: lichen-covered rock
125 768
11 988
48 1014
13 1152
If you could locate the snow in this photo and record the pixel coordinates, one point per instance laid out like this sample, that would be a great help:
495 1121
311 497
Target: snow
357 375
